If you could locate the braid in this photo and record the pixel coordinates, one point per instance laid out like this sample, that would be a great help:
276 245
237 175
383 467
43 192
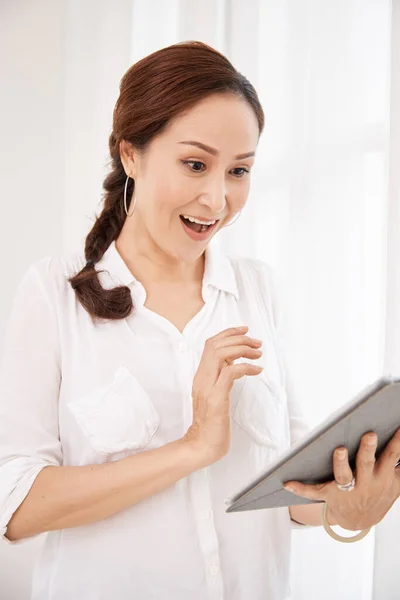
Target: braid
103 303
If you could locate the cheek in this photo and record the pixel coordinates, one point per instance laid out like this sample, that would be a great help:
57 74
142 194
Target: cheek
167 197
239 198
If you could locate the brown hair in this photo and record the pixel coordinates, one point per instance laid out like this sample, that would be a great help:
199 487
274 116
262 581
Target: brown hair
153 91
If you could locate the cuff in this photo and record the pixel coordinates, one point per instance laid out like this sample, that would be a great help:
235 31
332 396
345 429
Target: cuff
296 525
15 500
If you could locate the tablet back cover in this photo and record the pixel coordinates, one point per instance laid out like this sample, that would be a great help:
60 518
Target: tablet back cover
375 408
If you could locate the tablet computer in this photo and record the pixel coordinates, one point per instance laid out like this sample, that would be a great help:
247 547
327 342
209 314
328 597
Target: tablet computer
376 408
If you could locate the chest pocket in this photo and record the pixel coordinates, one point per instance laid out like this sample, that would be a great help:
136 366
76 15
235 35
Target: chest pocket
117 417
261 411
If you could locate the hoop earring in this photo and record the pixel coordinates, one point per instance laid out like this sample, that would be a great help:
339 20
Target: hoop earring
232 222
134 200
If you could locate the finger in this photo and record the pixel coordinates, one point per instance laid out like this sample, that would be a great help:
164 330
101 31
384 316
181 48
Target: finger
365 459
216 358
231 372
236 340
312 492
341 468
390 456
235 352
231 331
210 368
216 347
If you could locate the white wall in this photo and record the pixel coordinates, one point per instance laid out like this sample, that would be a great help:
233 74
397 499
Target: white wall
32 152
60 69
386 573
32 159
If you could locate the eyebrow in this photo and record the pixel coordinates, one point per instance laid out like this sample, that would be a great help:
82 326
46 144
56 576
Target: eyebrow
213 151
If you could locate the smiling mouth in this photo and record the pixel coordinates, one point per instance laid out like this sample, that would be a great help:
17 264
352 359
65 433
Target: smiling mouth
198 227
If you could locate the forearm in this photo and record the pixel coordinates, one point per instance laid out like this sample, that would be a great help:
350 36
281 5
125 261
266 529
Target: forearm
309 514
63 497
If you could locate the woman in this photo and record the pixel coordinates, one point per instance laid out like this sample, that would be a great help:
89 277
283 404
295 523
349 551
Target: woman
127 417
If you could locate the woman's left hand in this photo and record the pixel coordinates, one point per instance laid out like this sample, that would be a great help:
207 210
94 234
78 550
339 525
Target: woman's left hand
377 484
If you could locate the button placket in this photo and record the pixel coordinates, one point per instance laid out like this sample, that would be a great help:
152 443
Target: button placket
182 347
199 481
185 375
201 498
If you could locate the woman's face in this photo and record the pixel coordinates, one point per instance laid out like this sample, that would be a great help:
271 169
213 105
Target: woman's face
175 178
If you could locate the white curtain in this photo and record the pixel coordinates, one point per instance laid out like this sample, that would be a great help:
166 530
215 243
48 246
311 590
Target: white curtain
323 208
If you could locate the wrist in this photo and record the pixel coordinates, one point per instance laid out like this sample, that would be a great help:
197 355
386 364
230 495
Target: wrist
331 521
193 453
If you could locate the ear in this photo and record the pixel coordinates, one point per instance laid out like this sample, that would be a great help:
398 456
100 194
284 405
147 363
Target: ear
128 155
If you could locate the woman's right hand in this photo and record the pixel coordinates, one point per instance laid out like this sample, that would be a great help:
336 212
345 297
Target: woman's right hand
213 381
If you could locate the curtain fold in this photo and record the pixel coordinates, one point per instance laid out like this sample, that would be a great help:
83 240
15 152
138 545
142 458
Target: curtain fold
318 211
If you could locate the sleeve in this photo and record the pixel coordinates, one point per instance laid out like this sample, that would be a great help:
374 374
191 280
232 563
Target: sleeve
30 376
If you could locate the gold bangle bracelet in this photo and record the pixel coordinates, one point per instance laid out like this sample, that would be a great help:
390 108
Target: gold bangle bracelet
335 536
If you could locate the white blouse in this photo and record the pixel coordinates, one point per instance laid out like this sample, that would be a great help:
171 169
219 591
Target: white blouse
75 393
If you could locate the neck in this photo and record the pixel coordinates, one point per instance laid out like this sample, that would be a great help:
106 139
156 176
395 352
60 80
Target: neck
150 264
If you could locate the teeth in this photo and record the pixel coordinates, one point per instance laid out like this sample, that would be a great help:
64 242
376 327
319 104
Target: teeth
193 220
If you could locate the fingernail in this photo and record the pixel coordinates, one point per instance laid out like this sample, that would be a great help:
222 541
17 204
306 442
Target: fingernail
289 488
341 453
371 440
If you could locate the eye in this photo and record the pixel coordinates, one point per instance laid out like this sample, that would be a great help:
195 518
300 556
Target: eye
193 162
243 170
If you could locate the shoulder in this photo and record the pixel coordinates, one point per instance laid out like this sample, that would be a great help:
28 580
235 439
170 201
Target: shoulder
255 274
252 267
260 284
50 274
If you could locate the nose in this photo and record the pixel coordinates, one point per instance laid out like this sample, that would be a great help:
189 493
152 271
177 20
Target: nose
214 197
